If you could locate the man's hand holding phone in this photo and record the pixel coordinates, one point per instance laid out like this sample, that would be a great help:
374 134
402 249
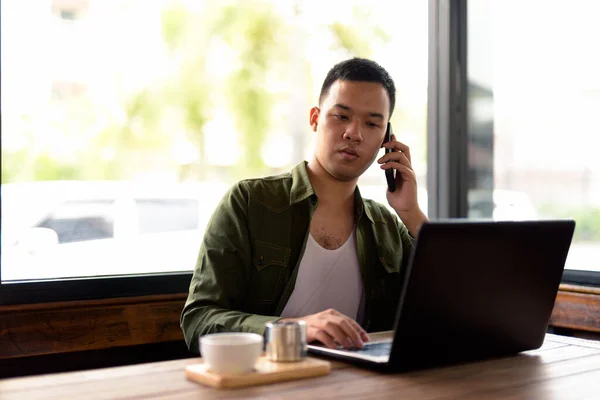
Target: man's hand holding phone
403 199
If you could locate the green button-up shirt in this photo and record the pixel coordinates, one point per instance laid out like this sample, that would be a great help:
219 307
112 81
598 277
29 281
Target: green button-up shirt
252 248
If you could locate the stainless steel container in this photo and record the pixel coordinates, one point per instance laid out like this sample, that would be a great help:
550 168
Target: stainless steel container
286 341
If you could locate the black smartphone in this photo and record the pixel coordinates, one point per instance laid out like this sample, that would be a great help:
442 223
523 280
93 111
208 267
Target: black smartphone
390 175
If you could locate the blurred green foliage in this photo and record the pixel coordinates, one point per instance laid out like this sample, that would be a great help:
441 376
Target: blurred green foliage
106 145
587 220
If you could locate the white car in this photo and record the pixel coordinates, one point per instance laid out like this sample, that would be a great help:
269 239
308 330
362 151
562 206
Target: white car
66 229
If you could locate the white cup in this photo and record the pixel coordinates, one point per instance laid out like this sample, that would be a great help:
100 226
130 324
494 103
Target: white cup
231 353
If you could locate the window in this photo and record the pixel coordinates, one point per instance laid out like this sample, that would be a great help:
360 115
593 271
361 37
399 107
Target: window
155 216
534 96
69 10
81 221
165 117
69 15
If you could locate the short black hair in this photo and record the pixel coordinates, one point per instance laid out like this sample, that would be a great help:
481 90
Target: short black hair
360 70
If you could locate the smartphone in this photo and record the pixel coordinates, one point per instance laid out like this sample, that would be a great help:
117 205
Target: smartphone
390 174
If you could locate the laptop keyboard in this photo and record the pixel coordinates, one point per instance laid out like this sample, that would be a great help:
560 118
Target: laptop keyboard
374 349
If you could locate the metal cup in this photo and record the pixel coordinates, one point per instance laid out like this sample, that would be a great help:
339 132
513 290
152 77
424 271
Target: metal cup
286 341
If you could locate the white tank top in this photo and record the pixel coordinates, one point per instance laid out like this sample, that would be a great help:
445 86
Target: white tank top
327 279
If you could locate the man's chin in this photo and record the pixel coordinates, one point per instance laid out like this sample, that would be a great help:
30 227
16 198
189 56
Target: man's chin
347 174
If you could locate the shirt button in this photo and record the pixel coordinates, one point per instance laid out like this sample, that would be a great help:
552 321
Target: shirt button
261 260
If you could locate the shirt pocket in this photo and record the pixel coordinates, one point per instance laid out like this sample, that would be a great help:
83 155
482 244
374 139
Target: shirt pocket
269 262
269 254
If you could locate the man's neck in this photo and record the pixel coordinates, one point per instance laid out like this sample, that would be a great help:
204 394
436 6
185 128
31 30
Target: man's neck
329 189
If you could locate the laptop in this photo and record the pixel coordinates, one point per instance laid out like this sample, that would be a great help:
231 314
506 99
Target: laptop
472 290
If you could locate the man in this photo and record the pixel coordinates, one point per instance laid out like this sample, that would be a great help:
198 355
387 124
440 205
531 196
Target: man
305 245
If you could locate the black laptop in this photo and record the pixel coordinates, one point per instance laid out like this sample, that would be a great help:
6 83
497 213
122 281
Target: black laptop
473 290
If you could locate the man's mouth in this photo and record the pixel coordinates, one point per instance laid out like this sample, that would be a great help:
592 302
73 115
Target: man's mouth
349 153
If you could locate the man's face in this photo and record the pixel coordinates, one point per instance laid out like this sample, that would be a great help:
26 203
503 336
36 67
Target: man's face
350 126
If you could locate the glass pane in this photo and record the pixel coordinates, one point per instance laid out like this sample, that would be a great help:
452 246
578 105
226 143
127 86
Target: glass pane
157 107
534 96
80 221
155 216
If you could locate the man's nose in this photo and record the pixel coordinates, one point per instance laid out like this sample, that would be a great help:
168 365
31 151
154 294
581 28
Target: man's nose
353 132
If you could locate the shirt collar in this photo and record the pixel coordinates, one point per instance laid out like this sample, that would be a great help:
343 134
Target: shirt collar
302 189
301 186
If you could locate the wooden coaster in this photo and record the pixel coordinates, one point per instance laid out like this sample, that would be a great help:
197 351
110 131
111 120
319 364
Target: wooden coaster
265 372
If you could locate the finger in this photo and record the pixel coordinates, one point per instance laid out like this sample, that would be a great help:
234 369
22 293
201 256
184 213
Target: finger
406 173
327 340
363 334
332 328
365 337
397 146
395 156
332 311
394 145
341 320
351 331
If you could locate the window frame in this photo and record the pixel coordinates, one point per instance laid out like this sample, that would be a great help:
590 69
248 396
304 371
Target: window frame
447 120
92 288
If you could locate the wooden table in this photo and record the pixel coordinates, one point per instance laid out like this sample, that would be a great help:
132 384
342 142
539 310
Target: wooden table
563 368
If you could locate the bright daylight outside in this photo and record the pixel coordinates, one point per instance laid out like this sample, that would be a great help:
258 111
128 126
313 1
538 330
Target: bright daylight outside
125 121
540 61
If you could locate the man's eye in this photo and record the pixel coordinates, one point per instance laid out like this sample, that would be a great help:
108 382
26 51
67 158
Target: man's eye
372 125
342 117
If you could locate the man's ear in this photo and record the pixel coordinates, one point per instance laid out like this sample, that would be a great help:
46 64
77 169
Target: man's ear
314 118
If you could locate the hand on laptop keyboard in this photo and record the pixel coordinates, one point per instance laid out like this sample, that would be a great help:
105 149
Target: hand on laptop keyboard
333 328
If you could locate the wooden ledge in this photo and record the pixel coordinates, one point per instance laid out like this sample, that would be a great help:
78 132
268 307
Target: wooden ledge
579 289
49 328
578 308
